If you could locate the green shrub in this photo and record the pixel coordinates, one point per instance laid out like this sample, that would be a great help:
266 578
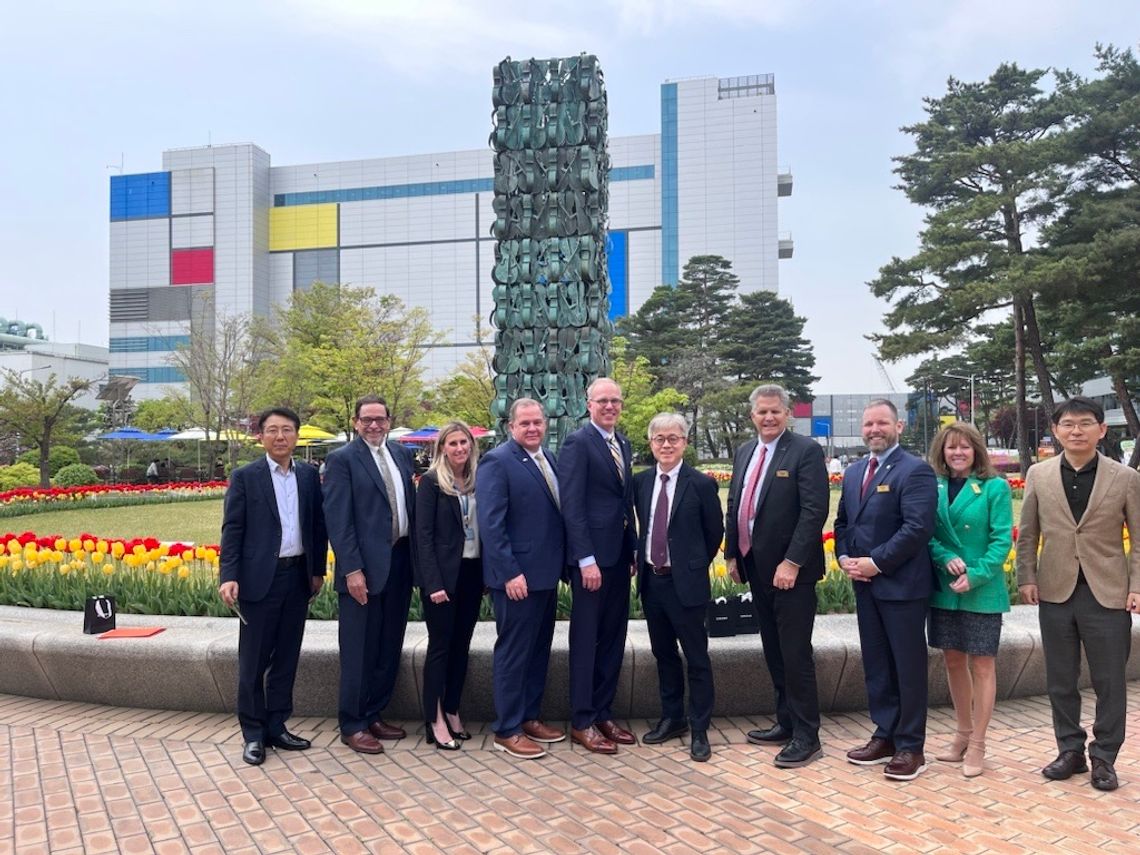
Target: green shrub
19 475
58 457
75 475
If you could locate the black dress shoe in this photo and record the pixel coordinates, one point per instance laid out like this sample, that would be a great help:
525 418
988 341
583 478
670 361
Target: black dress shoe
798 753
777 734
699 748
1067 764
666 729
287 741
1103 775
254 752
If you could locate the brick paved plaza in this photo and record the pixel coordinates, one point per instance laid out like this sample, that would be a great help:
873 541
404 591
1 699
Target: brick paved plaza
79 778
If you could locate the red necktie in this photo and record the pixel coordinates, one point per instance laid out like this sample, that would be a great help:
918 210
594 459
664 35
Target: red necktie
871 467
748 503
659 541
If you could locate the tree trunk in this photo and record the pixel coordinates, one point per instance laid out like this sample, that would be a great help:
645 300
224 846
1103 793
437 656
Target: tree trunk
1033 343
1021 407
1124 396
45 462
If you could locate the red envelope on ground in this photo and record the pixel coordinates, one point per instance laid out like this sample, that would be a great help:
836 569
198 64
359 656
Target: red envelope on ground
133 632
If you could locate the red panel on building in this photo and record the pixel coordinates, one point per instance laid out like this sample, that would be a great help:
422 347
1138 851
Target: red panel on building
799 410
192 266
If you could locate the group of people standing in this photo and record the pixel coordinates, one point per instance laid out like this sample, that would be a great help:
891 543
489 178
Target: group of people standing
922 542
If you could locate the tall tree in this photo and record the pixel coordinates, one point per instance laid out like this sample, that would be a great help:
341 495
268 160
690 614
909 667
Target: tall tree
467 392
985 164
38 411
763 341
642 403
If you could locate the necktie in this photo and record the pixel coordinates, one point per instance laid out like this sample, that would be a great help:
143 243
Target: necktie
548 476
871 467
389 479
659 540
619 461
748 504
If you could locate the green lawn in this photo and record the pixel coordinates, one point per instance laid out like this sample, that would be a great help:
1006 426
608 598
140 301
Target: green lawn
188 522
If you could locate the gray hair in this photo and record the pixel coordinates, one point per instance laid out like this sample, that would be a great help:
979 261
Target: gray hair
590 388
770 390
661 421
524 402
883 402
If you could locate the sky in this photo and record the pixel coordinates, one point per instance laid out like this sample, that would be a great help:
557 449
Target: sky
92 88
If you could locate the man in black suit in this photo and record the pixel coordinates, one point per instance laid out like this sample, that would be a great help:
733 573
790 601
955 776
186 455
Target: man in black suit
597 505
777 507
882 536
272 562
681 527
369 505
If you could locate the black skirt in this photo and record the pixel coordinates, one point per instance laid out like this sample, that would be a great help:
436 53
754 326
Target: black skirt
969 632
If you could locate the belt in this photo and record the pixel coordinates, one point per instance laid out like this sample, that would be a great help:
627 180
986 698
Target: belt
291 561
661 571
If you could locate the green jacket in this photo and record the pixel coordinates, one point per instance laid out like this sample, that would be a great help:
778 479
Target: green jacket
978 528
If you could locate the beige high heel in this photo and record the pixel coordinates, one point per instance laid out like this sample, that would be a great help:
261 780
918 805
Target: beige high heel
957 749
974 760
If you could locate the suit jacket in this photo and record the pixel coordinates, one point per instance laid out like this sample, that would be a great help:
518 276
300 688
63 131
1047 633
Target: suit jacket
891 524
597 504
520 525
696 527
357 512
978 528
440 537
251 527
1095 544
793 502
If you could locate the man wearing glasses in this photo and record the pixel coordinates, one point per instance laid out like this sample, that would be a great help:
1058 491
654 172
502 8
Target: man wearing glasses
596 482
1076 506
369 502
681 527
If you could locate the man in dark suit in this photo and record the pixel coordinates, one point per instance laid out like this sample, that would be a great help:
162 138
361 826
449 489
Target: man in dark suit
520 525
272 562
777 507
369 505
882 533
681 527
596 482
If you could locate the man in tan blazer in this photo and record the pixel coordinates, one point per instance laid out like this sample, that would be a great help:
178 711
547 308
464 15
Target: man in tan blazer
1076 506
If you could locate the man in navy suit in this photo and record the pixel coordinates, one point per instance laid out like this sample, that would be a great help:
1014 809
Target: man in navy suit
681 527
777 507
272 562
882 531
369 504
520 525
597 504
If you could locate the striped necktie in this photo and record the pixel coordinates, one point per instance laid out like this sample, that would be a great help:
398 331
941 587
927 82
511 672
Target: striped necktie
615 453
548 476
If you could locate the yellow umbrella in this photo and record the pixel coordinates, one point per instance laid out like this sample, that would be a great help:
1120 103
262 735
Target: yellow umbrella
308 433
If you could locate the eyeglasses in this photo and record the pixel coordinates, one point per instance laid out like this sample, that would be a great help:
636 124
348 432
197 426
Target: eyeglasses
379 421
285 431
1084 424
605 402
671 439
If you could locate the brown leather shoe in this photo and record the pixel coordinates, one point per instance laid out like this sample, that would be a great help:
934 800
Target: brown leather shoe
614 732
1067 764
877 750
382 730
520 746
363 742
540 731
905 766
1103 775
592 740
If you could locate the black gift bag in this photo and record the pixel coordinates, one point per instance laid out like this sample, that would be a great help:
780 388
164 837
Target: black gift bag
99 614
746 620
719 618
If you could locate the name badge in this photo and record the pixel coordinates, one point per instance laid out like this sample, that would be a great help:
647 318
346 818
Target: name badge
977 489
781 473
883 488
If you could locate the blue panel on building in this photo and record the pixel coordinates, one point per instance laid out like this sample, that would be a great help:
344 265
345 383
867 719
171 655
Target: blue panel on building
617 263
670 230
157 374
632 173
821 425
148 344
140 197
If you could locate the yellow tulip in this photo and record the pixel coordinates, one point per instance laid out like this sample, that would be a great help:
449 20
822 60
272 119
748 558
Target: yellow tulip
211 554
64 569
138 549
97 557
89 545
101 545
3 561
188 555
150 566
17 565
200 552
14 546
60 544
117 549
164 549
108 570
184 573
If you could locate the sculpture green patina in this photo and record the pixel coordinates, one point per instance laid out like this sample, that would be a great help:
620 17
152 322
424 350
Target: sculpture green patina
551 292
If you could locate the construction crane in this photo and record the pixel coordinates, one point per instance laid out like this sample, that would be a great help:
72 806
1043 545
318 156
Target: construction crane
883 373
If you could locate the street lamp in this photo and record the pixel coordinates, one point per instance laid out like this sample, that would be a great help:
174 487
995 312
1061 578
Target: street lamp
972 399
24 371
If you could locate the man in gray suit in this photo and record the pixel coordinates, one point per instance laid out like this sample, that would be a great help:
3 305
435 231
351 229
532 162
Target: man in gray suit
1076 505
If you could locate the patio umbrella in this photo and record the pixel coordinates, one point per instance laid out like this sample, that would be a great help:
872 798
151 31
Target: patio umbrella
423 435
129 433
308 433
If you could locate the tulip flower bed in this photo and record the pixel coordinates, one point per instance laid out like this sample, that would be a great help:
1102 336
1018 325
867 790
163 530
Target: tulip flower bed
30 500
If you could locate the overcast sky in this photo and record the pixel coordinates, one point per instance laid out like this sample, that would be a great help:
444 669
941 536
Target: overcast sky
87 85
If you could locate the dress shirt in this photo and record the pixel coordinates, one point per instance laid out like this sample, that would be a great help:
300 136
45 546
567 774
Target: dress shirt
397 487
589 559
470 524
771 446
547 471
1078 484
882 459
670 492
285 491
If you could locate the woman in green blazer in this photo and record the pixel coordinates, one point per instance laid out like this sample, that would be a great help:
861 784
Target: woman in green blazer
973 534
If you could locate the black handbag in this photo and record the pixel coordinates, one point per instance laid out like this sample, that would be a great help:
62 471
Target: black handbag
746 620
99 614
719 618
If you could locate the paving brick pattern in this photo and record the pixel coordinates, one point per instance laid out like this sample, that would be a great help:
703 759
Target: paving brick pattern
76 778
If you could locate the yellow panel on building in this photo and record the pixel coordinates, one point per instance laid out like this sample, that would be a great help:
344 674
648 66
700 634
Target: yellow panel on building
303 226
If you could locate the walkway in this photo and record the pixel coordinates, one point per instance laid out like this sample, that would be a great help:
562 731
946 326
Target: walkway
79 778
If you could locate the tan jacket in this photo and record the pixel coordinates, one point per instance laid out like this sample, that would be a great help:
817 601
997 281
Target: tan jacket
1095 544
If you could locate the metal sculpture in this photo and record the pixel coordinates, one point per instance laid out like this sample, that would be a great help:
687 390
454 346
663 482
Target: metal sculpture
551 203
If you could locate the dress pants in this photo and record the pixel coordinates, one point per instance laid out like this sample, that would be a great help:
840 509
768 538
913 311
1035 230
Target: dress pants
598 623
670 622
269 645
1106 635
450 626
892 634
522 655
372 644
787 618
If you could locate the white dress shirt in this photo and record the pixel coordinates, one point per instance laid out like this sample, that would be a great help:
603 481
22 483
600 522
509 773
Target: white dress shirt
771 446
393 471
288 509
670 492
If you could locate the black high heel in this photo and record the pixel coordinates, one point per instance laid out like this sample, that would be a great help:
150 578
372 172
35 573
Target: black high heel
429 738
461 734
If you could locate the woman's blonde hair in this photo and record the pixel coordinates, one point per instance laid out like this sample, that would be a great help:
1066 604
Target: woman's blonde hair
983 466
442 468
